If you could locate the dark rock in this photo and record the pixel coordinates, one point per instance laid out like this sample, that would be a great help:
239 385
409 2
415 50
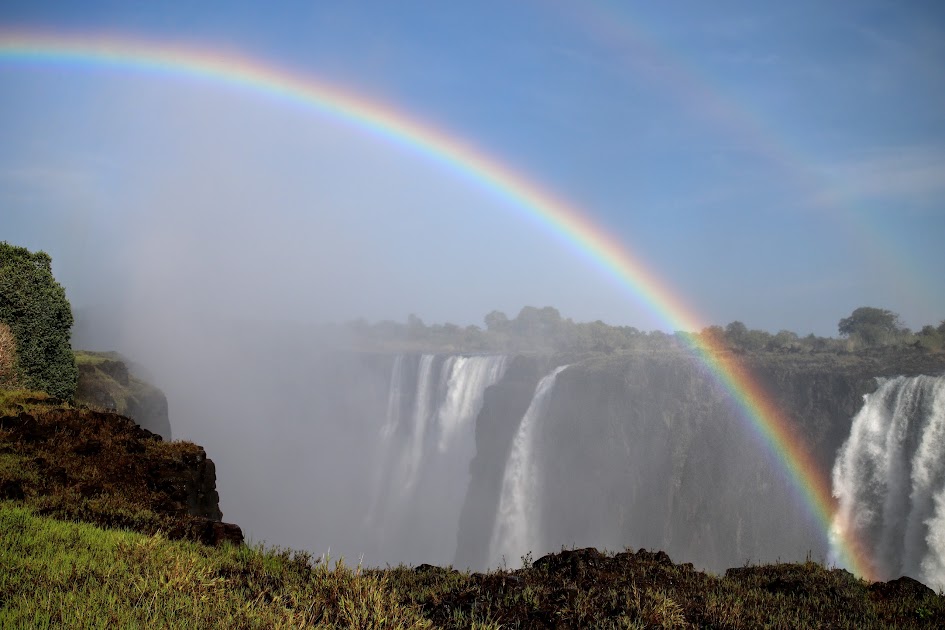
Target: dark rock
573 561
88 447
424 568
117 370
216 533
11 489
103 468
901 588
654 557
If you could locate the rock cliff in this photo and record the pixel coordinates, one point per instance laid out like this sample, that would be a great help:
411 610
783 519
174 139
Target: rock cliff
647 449
106 382
102 468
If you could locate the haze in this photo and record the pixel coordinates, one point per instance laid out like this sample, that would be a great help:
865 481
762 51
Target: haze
779 165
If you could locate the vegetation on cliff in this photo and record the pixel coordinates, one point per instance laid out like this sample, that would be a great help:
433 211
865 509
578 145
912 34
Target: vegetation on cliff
544 330
101 468
106 383
33 306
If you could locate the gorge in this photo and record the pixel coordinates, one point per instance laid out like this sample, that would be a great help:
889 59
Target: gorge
477 459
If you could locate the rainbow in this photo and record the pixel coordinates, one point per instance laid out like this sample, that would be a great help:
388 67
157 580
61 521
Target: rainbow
561 218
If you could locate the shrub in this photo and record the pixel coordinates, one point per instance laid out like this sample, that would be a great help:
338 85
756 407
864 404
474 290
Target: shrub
34 306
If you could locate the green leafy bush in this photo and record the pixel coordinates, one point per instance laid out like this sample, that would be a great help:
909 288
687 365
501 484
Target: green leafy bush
35 308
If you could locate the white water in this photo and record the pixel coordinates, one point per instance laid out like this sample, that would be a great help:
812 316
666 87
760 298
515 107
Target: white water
394 397
515 531
889 479
422 408
427 443
468 378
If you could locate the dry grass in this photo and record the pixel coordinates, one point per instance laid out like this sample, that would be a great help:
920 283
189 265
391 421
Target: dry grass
7 357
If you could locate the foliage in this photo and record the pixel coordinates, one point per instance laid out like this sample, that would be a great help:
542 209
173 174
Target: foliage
532 330
63 574
35 308
872 326
544 330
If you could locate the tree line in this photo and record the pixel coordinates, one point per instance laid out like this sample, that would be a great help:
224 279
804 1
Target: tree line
545 330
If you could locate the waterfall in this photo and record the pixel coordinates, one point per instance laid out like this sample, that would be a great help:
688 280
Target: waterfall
427 442
889 479
515 531
394 397
422 408
467 379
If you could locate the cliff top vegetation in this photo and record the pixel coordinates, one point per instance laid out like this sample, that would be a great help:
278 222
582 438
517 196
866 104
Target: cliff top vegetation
35 324
544 330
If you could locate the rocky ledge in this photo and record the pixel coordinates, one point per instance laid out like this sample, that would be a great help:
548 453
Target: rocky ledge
101 467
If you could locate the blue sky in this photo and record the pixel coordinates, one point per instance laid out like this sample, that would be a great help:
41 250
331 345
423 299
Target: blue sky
776 163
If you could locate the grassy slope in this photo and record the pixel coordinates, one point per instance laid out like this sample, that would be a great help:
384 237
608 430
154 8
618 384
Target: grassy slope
62 574
58 573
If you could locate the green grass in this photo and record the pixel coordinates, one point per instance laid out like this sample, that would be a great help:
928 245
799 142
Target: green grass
15 401
86 357
62 574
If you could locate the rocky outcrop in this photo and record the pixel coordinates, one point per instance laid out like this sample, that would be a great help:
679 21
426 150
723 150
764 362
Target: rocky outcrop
106 382
103 468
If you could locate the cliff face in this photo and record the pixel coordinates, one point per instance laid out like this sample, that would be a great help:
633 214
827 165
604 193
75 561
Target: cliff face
102 468
648 450
105 382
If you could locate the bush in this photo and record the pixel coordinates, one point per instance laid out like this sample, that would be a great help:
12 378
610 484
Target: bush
35 308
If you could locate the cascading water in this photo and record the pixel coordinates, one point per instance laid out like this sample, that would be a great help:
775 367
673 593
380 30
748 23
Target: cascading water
468 378
889 479
427 442
515 530
394 396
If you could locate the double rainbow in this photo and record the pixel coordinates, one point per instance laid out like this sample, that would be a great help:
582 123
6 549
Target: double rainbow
558 216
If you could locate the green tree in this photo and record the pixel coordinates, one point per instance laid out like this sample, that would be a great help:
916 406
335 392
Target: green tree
35 308
873 326
497 321
785 339
532 321
736 334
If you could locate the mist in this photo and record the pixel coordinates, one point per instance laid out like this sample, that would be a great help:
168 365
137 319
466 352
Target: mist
212 235
220 233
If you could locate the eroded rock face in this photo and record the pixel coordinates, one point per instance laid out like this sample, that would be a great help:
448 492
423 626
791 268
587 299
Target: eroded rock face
103 468
648 449
108 384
